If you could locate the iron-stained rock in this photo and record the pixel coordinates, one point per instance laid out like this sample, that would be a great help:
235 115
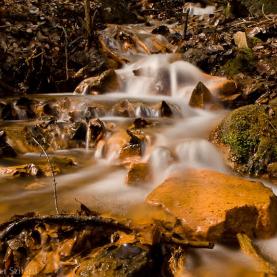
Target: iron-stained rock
212 205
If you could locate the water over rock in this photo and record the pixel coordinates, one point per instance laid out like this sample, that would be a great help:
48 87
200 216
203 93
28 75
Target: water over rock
105 82
138 173
214 206
5 149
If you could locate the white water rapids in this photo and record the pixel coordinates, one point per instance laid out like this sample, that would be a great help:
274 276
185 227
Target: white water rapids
182 143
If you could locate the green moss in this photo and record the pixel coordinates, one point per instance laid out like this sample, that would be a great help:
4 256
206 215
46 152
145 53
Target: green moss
255 40
251 137
243 62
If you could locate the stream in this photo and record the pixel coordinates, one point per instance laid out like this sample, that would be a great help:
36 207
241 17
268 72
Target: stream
171 143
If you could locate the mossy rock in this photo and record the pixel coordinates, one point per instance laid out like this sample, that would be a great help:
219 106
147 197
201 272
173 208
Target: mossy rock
244 62
248 138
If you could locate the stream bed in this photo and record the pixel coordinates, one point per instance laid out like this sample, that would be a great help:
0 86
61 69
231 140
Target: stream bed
86 134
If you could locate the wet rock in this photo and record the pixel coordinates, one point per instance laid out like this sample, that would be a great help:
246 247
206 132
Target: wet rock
200 96
94 112
175 38
5 149
214 206
162 30
79 131
41 169
247 137
25 105
106 82
140 123
138 173
97 130
134 148
130 151
49 109
272 170
21 171
123 108
8 112
226 93
122 260
114 143
165 110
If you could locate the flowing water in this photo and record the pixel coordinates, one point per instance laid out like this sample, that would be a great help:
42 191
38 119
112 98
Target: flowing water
171 144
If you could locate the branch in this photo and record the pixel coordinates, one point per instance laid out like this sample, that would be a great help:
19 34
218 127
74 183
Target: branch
53 175
15 227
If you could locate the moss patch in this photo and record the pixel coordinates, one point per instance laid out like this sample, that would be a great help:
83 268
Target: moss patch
250 133
244 62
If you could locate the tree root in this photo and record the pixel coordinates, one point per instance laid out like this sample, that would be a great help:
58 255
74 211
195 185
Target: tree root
15 227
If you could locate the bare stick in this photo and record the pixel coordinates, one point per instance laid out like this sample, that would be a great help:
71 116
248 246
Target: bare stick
248 248
15 227
53 175
186 23
88 21
65 51
267 17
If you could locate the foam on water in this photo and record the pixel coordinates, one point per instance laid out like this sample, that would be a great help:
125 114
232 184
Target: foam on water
160 74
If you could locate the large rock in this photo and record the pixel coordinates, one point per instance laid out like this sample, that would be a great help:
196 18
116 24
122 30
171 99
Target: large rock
248 138
212 205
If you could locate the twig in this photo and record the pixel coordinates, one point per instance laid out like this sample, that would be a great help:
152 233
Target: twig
249 249
110 53
186 23
270 123
88 21
53 175
267 17
189 243
65 51
17 226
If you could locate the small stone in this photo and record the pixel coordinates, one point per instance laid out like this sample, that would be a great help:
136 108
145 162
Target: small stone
138 173
200 96
123 108
240 40
107 81
272 170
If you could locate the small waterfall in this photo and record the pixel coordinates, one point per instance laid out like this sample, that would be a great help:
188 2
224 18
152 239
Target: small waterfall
21 113
162 75
199 153
88 136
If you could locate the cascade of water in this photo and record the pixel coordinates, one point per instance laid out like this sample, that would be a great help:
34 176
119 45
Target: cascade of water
22 114
199 153
88 136
161 74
